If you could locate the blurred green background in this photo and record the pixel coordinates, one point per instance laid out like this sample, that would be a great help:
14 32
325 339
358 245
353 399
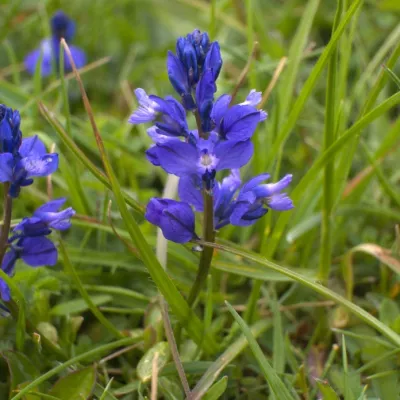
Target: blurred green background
129 41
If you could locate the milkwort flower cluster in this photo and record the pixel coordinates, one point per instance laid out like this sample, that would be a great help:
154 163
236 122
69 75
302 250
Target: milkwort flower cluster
221 142
21 160
49 50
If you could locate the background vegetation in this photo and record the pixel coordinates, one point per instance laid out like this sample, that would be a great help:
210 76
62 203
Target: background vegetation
319 286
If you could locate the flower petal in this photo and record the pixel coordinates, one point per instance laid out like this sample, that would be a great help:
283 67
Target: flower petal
253 182
175 218
178 158
32 146
232 154
45 53
220 108
38 251
240 122
51 206
213 60
6 167
189 190
40 166
79 57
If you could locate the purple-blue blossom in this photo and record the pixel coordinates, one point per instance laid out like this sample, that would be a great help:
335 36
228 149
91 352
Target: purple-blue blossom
251 202
10 134
49 49
28 240
174 218
221 141
29 161
255 198
202 157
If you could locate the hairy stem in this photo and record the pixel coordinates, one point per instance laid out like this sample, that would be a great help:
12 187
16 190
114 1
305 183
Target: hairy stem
207 254
5 229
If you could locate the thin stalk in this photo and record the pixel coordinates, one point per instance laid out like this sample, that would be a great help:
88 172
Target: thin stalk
5 229
207 254
329 172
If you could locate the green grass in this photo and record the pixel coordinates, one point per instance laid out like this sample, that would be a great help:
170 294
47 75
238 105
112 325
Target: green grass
301 305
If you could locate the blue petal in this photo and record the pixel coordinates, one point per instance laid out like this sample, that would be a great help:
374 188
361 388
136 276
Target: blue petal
204 96
220 108
40 166
62 26
233 154
152 155
57 220
224 192
175 218
6 167
147 110
79 57
32 146
32 59
51 206
8 262
280 202
177 74
253 182
4 291
178 158
252 99
269 189
38 251
213 60
189 190
245 214
240 122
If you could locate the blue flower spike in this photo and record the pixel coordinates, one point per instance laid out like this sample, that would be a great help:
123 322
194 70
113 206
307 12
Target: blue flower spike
222 141
49 49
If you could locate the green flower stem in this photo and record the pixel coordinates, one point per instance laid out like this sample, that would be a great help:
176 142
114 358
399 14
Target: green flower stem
207 254
5 229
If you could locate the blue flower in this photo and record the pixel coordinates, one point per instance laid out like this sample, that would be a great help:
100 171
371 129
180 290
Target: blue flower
240 121
10 134
190 191
29 242
48 52
172 121
194 56
203 157
255 198
252 202
30 161
175 218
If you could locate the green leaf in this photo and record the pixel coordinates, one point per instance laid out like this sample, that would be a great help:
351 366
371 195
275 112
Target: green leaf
277 386
145 365
78 306
265 265
231 352
216 390
77 385
20 367
327 392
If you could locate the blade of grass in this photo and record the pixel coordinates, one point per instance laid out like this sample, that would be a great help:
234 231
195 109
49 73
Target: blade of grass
68 141
328 196
265 264
70 270
226 358
277 386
